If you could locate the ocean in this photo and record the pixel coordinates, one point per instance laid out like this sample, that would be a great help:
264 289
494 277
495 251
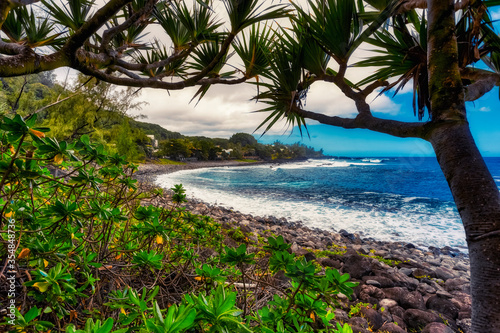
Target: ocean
390 199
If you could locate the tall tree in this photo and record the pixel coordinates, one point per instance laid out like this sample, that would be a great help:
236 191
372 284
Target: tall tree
107 42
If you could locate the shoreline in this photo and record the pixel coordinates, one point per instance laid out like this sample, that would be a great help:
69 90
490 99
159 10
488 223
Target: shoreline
149 171
417 287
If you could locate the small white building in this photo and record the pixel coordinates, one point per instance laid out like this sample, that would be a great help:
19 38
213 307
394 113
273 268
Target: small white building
154 142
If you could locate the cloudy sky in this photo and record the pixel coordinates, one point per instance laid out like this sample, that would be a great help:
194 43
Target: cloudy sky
226 110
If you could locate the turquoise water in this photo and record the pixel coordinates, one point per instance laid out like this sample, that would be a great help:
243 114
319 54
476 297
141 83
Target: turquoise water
396 199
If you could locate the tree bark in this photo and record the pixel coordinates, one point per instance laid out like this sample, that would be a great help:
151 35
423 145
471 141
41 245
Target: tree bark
478 202
472 186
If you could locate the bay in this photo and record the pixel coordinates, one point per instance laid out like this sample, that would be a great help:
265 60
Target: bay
391 199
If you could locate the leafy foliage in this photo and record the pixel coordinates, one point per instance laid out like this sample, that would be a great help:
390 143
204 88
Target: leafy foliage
101 259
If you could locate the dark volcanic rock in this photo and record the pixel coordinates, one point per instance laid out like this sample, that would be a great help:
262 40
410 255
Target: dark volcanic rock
437 328
371 294
395 293
417 319
443 306
382 280
412 300
373 317
391 328
357 266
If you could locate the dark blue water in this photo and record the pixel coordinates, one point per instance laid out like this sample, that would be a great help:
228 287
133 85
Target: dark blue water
397 199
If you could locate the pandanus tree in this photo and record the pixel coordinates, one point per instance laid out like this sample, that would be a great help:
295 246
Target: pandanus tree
432 45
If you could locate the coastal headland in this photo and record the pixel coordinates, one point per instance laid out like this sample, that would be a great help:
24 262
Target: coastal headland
401 288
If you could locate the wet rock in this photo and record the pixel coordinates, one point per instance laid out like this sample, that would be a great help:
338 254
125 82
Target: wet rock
417 319
437 328
373 283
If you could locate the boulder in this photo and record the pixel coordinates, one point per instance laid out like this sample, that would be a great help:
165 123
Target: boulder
412 300
442 305
387 303
437 328
371 294
457 284
382 280
391 328
373 317
416 319
395 293
357 266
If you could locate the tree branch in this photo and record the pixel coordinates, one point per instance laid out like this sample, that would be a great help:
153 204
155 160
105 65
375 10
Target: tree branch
367 121
408 5
483 82
90 27
109 34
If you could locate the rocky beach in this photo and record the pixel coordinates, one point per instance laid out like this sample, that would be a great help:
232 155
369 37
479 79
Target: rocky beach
401 288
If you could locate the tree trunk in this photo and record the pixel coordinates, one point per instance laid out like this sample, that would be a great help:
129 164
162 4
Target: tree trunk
478 202
474 190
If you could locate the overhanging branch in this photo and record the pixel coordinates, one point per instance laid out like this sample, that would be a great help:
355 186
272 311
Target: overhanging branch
367 121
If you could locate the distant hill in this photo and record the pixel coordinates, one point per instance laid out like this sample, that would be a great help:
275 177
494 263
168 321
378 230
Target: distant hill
159 132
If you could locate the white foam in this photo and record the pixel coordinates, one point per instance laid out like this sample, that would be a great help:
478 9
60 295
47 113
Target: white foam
417 226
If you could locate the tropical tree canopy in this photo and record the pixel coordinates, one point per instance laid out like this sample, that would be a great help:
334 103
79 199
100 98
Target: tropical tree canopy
447 50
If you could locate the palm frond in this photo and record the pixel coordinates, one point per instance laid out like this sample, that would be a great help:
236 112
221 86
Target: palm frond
283 91
24 27
245 13
253 48
403 57
180 22
334 24
202 57
71 14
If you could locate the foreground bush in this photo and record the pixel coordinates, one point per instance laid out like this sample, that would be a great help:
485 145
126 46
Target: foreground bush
94 252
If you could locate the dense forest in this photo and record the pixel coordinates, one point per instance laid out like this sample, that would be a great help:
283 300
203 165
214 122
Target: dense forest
100 110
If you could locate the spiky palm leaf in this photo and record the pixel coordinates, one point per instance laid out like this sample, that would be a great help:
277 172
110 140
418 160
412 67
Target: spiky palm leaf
178 33
245 13
283 92
180 22
404 56
202 57
72 14
131 37
24 27
253 48
335 25
159 52
313 58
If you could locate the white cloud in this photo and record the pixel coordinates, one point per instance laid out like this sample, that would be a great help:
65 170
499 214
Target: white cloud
485 109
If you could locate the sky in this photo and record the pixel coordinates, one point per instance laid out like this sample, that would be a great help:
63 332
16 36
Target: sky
226 110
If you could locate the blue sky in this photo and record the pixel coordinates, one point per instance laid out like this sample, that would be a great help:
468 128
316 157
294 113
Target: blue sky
483 115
